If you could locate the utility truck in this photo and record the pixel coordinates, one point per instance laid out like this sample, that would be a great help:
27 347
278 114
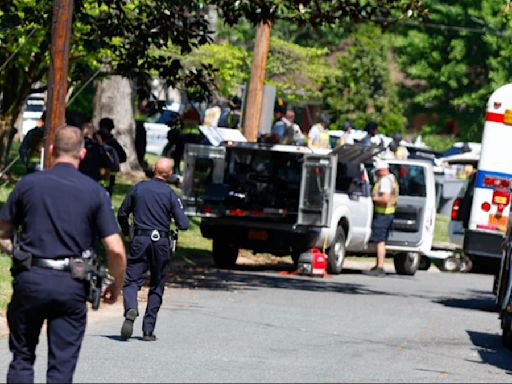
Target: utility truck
285 200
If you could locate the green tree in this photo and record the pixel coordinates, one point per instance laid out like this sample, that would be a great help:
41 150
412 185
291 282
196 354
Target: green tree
362 88
143 38
455 60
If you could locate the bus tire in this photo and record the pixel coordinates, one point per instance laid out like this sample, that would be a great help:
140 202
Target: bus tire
451 264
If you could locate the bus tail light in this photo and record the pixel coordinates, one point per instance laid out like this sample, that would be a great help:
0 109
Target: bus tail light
501 197
455 208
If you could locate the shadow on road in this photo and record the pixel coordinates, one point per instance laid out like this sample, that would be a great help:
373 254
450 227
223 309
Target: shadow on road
246 277
481 301
491 350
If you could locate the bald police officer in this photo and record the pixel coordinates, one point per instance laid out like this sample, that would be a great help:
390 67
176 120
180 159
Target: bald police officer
61 213
152 204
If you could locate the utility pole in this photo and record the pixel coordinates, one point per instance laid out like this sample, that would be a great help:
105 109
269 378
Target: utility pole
255 91
58 76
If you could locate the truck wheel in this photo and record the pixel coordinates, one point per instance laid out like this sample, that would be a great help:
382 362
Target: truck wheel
295 258
224 254
406 263
337 253
425 263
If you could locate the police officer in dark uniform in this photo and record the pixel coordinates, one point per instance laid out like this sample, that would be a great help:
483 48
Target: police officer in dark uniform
61 213
152 204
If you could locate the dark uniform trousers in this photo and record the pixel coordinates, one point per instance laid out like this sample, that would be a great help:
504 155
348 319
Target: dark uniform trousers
145 255
41 293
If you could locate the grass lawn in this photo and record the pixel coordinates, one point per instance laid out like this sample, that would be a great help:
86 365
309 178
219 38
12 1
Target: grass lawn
441 229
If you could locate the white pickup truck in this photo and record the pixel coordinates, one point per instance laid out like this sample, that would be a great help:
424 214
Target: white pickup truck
285 200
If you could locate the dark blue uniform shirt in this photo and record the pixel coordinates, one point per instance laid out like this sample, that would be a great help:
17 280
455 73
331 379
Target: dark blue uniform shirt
153 204
59 210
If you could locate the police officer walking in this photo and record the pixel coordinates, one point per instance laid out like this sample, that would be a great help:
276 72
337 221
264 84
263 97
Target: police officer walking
152 204
61 213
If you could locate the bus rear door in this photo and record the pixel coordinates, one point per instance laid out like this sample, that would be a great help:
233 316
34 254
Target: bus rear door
490 209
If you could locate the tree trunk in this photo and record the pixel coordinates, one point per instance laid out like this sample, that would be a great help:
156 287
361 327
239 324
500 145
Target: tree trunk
114 97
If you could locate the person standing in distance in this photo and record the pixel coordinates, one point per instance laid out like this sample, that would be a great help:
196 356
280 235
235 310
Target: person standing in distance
61 213
318 135
385 196
153 204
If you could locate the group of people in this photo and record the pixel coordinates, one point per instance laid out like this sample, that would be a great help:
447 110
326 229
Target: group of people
60 214
286 131
103 153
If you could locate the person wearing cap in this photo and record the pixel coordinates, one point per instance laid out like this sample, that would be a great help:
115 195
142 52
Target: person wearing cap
385 196
395 149
318 136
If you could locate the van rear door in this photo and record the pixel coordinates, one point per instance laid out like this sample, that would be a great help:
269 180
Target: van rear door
317 190
203 180
413 225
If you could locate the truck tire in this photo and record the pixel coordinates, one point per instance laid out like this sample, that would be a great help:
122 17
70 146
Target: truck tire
337 252
406 263
425 263
295 258
224 253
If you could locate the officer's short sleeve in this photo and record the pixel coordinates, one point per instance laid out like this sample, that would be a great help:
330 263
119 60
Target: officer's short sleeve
105 219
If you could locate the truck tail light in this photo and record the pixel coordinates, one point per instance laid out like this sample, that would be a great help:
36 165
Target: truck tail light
235 212
455 208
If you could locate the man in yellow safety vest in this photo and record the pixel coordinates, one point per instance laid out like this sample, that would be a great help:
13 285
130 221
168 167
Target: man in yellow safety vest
385 196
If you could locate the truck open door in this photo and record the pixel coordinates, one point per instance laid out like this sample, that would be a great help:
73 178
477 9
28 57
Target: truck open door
317 190
203 179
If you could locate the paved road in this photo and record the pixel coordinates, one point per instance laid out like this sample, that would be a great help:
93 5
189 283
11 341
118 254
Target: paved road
257 325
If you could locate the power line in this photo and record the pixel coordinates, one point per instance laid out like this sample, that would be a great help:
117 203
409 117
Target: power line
447 27
17 49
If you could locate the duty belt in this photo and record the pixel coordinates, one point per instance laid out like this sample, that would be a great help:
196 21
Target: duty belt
155 234
58 264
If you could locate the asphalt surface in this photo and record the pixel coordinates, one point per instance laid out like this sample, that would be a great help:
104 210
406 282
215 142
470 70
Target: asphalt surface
259 324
